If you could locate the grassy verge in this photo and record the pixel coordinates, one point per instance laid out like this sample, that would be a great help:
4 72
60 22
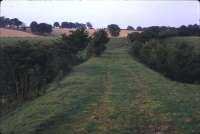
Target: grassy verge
113 94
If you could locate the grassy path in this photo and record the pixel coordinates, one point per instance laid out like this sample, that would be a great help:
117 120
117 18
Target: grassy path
113 94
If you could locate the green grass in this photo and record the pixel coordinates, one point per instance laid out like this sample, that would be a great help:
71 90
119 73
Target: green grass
113 94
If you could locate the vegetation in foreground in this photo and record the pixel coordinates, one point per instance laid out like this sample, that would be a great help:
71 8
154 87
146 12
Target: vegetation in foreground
28 67
178 58
112 94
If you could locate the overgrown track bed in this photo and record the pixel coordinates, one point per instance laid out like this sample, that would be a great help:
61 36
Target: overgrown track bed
113 94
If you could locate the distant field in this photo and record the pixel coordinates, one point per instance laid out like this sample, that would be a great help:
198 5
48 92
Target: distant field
14 33
57 32
113 94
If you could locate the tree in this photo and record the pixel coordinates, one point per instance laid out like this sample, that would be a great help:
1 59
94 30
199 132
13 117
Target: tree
2 22
89 25
44 28
97 45
114 29
77 40
56 24
130 28
41 28
33 26
73 25
139 28
15 22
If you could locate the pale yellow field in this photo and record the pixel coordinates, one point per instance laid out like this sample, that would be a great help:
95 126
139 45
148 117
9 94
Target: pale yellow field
57 32
14 33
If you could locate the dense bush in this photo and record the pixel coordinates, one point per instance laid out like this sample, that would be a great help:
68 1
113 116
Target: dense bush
179 61
114 29
167 33
136 48
77 40
26 68
141 37
41 28
97 45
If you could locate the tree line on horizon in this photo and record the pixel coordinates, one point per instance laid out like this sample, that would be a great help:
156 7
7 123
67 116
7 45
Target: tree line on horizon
42 28
114 29
7 22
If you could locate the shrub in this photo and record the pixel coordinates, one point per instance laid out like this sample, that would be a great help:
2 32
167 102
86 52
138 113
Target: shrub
26 68
136 47
179 61
97 45
77 40
168 33
141 37
135 36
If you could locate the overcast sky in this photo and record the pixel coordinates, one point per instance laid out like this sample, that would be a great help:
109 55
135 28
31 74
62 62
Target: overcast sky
103 12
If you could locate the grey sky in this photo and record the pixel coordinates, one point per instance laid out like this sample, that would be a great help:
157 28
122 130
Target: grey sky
101 12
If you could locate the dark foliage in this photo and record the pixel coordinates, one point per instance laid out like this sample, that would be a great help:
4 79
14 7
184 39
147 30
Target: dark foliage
139 28
89 25
130 28
97 45
33 26
26 68
178 61
41 28
7 22
56 24
77 40
191 30
73 25
114 30
44 28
